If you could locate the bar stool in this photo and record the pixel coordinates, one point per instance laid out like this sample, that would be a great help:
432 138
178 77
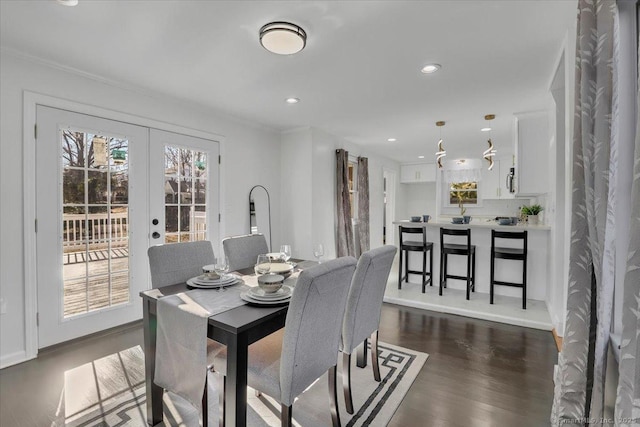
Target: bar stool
467 250
415 246
509 253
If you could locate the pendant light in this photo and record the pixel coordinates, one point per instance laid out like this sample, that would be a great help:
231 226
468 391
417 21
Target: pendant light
441 151
490 152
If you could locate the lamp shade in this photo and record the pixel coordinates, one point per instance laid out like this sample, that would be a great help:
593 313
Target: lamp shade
463 170
283 38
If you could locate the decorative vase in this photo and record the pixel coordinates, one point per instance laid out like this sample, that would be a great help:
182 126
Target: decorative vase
532 219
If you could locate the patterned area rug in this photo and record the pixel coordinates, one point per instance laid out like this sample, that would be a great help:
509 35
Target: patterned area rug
374 403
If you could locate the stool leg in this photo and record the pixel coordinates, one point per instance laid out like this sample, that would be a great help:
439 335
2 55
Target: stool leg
524 284
400 271
473 273
406 268
468 274
431 266
424 269
446 263
441 270
491 276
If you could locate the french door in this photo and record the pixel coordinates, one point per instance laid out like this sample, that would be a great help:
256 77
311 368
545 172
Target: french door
105 192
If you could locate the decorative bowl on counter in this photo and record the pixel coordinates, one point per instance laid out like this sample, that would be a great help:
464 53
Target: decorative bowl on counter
505 221
415 219
457 220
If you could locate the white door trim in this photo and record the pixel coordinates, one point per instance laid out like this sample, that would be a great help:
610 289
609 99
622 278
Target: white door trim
391 204
30 101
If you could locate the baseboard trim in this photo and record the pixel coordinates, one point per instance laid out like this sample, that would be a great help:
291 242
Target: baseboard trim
13 359
558 339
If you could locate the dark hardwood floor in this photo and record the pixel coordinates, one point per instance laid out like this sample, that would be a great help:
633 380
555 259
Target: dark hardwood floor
479 373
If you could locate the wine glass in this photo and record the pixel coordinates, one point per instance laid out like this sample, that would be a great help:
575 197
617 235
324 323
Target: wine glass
318 252
221 266
263 265
285 250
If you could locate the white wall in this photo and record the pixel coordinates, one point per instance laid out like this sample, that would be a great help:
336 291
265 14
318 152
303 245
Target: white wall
312 152
420 199
251 155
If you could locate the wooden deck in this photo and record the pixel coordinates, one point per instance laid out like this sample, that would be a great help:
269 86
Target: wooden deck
82 295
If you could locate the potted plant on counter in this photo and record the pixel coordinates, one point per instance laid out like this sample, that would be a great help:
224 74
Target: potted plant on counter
531 213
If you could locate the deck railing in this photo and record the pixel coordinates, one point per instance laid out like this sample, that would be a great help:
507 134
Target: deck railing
97 229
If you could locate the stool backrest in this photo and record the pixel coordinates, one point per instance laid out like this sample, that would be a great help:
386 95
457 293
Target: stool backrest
414 230
519 235
455 232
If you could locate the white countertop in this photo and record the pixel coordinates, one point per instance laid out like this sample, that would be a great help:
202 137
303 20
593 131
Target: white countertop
477 223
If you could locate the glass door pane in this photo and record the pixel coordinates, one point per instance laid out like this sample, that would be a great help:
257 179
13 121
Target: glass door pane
95 245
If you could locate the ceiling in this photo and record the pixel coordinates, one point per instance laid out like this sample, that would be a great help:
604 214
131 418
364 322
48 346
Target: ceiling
358 77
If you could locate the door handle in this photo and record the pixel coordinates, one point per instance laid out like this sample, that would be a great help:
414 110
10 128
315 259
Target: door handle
155 235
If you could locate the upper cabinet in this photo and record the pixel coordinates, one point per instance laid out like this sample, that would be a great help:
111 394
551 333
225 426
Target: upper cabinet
494 182
417 172
532 153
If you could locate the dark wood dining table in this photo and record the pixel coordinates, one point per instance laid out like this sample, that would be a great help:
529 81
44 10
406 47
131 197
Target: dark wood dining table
236 328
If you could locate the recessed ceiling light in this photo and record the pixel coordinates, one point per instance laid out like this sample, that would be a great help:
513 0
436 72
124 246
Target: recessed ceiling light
485 129
68 2
292 100
421 157
283 38
392 140
430 68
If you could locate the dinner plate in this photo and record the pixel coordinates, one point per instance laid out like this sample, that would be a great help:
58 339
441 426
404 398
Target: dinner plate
203 279
197 284
248 298
282 293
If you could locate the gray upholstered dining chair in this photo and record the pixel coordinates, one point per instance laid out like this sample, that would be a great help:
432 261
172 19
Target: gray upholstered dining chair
242 251
175 263
283 365
362 313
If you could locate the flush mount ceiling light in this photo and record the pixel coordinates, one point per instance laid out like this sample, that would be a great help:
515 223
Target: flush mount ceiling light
283 38
292 100
490 152
421 157
68 2
430 68
441 151
392 140
485 129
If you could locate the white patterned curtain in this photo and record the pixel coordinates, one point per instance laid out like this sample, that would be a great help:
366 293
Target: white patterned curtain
363 203
344 233
579 392
628 393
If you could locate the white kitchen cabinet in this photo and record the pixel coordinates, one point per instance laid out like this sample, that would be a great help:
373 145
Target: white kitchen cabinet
532 153
417 172
494 181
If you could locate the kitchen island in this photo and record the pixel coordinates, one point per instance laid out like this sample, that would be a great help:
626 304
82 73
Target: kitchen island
507 306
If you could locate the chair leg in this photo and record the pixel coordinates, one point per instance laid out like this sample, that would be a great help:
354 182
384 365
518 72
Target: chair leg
375 363
205 402
222 388
361 355
258 393
400 270
286 415
333 395
346 382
